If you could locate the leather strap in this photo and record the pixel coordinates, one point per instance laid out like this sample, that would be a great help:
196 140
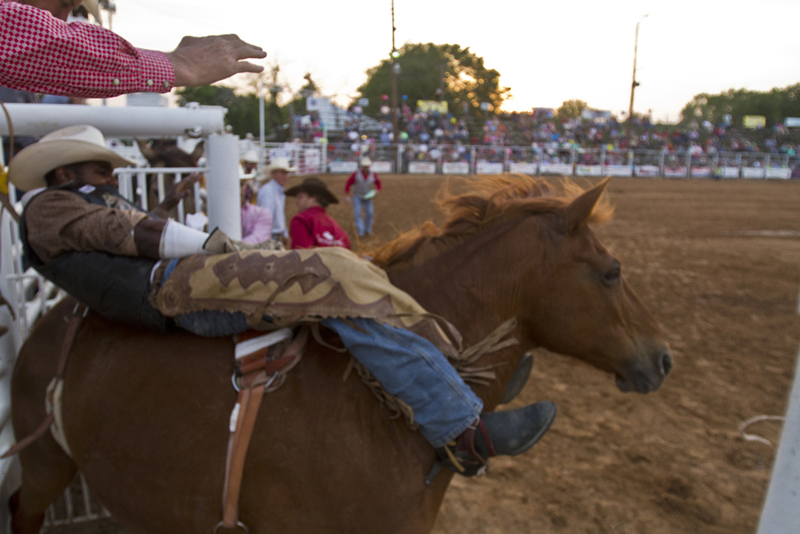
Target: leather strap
66 345
238 443
257 378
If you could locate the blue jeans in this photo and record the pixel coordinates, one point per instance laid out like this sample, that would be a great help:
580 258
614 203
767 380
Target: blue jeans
411 368
362 226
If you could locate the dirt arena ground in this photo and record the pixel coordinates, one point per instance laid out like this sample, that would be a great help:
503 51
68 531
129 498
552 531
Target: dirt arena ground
718 263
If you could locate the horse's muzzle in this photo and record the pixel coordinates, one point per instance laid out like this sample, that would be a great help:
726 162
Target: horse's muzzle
647 376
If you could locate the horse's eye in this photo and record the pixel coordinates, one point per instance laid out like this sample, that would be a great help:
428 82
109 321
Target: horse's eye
613 275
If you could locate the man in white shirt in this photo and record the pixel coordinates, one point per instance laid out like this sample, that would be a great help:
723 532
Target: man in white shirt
272 196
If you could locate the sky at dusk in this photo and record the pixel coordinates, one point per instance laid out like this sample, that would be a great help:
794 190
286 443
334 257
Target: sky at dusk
546 53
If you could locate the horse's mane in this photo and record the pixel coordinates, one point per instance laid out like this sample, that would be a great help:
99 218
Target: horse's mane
489 201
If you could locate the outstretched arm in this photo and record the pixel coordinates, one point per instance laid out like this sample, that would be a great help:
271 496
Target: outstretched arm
43 54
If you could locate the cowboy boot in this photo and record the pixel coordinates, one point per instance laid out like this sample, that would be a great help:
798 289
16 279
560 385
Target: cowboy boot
507 433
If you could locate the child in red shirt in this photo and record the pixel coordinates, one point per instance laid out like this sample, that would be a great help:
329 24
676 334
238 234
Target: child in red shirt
312 226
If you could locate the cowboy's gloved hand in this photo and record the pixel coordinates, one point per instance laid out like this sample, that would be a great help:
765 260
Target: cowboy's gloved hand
219 243
269 244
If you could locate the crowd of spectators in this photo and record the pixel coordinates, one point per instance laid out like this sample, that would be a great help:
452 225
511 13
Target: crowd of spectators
431 134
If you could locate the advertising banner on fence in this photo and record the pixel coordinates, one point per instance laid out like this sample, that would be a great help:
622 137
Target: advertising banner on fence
646 170
422 167
792 122
522 168
617 170
311 161
556 168
488 167
728 172
752 172
455 167
384 167
275 153
701 172
588 170
677 172
342 167
784 173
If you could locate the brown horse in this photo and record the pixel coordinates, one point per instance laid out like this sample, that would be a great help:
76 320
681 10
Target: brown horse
146 415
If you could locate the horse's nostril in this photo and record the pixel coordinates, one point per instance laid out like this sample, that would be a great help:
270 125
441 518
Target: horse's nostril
665 362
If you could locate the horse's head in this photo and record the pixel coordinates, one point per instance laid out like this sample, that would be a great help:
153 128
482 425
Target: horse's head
161 153
513 246
581 305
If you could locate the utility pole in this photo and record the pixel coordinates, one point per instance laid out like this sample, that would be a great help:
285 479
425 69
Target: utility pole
634 83
395 72
440 90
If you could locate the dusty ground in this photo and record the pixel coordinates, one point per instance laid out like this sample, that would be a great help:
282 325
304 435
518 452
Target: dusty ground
670 462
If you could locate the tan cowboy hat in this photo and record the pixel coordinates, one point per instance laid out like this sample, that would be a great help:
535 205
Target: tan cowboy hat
250 156
74 144
366 162
313 187
280 164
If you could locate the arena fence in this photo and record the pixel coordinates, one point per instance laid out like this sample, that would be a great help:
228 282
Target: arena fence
343 158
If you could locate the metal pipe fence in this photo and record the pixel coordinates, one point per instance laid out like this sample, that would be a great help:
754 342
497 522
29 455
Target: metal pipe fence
420 158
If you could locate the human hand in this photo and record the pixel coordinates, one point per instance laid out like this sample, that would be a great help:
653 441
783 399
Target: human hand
179 191
205 60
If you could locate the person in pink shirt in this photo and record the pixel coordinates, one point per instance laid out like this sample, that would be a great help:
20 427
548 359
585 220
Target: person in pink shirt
312 226
256 221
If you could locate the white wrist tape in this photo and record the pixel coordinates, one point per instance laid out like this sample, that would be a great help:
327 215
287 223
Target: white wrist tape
179 241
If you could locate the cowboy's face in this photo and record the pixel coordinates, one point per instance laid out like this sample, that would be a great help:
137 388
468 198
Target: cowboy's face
281 176
96 173
249 166
58 8
305 201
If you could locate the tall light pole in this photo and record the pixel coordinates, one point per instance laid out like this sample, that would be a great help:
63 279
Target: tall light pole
634 83
261 119
395 72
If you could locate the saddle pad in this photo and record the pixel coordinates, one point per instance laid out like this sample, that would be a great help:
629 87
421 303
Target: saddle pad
298 286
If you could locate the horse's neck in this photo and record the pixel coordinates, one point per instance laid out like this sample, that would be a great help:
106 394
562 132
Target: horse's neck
474 284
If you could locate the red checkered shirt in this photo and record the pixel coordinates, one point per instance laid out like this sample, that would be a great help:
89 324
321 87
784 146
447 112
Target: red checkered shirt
43 54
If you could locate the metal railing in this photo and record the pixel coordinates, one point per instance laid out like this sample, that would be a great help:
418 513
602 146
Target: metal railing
420 158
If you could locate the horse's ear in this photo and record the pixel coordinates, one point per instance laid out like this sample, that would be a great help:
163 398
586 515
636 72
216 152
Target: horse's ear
579 210
145 149
197 153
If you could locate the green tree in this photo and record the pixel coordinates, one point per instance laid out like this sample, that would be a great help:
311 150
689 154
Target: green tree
775 105
242 115
433 72
571 109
